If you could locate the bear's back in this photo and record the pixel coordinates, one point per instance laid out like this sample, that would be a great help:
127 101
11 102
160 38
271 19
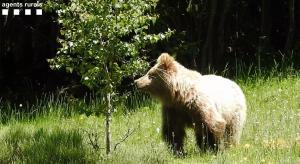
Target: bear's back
226 94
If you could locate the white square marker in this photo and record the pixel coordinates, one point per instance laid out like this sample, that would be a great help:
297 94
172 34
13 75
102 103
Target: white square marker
4 11
16 11
39 12
27 11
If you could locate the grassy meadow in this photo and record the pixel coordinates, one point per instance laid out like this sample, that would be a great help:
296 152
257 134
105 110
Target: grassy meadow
55 130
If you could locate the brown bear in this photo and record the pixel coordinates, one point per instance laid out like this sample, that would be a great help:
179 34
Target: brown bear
214 106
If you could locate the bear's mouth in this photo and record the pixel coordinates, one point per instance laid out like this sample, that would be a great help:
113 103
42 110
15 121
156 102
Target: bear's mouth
140 86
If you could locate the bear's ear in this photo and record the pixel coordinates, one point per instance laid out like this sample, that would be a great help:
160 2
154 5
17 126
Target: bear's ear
166 62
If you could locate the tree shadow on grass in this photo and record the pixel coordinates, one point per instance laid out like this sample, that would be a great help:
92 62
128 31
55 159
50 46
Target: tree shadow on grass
44 146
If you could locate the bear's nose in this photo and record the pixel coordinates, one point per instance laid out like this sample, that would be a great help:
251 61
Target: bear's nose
136 82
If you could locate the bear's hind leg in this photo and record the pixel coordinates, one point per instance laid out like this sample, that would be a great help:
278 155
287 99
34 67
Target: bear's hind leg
233 134
234 130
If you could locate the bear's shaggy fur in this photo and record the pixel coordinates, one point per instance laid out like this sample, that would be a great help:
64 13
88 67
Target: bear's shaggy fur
214 106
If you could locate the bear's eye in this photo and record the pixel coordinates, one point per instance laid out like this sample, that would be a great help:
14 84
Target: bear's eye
150 76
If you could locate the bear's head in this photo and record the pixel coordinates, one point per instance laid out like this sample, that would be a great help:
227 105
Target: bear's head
158 80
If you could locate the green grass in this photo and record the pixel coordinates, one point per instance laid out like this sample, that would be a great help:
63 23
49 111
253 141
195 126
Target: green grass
58 132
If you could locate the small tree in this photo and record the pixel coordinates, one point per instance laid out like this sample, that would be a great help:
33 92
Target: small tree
101 41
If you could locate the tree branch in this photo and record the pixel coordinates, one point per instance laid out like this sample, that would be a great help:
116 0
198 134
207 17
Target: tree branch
126 135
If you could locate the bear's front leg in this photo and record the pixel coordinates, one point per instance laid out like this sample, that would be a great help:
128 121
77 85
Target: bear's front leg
173 130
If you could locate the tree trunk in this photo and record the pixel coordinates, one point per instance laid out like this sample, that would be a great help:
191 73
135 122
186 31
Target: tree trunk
108 122
219 59
3 20
214 47
265 28
291 30
207 52
108 116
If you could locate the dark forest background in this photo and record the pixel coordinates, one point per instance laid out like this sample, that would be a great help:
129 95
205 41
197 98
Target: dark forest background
209 35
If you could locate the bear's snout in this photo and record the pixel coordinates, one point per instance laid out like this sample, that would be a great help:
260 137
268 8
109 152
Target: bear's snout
136 82
142 82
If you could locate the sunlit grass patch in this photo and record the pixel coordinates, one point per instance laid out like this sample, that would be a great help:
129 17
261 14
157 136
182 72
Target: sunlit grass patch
61 132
